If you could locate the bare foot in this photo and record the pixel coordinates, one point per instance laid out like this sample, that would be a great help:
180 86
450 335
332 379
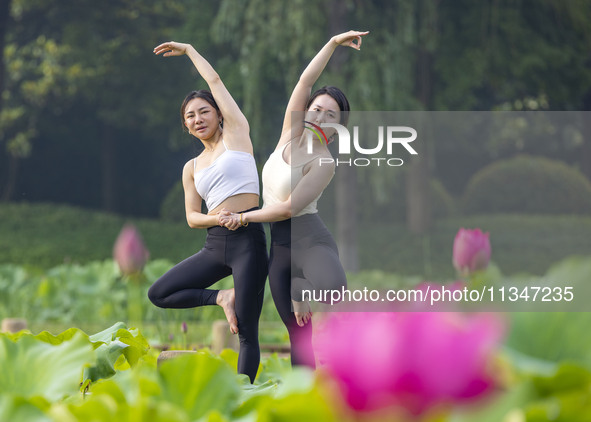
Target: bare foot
302 312
226 299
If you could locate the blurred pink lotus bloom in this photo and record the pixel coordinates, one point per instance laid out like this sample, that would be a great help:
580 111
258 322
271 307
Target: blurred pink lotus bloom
471 250
411 361
129 251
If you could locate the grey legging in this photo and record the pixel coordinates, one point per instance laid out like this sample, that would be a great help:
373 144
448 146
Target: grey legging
304 256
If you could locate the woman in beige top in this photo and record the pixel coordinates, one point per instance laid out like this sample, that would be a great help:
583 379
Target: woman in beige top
304 255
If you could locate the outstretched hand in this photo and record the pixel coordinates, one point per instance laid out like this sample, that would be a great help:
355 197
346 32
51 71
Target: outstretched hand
172 48
350 39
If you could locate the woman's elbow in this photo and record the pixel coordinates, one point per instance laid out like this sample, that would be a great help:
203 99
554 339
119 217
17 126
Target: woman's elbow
286 211
213 79
192 224
286 214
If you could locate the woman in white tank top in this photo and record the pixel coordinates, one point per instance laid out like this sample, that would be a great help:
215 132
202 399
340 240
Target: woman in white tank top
224 175
303 253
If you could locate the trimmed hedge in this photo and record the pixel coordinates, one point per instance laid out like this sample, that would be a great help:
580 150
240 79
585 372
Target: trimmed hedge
393 203
44 235
527 184
520 244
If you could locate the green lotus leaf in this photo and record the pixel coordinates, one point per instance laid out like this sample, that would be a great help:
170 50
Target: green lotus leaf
109 334
31 367
111 344
104 407
311 405
138 345
230 357
133 395
199 383
274 368
215 416
268 388
46 336
130 386
107 355
567 378
563 396
14 408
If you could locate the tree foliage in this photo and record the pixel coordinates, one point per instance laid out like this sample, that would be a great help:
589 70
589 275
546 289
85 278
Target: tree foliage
87 104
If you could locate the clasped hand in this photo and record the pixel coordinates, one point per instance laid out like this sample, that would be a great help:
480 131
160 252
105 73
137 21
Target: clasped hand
229 219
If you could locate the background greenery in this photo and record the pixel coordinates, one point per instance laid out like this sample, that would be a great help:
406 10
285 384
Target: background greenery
88 114
45 235
90 139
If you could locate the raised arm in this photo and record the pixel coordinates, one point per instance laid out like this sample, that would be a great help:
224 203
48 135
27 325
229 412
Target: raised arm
301 93
236 127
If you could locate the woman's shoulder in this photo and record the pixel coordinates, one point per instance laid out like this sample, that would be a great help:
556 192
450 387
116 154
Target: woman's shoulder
321 159
285 139
190 165
238 142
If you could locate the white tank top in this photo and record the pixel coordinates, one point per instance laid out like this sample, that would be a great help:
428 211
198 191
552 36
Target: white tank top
232 173
279 178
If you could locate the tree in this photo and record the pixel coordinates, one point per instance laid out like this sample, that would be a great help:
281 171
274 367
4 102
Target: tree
85 102
84 78
526 55
33 73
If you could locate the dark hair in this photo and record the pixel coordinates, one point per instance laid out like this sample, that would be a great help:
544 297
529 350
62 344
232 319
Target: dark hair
203 94
336 95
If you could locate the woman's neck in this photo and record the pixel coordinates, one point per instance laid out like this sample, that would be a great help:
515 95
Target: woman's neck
211 143
301 143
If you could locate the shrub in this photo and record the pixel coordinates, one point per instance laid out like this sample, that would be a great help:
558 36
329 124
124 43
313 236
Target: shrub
394 201
527 184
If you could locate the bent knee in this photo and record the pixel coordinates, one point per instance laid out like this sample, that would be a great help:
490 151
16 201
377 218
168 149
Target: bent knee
154 297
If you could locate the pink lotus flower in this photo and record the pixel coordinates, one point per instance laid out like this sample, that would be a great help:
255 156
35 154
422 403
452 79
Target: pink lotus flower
411 361
129 251
471 250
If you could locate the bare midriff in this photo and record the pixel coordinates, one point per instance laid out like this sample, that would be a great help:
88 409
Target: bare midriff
237 203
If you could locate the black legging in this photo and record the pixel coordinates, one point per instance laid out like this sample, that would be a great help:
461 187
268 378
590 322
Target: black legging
304 255
242 253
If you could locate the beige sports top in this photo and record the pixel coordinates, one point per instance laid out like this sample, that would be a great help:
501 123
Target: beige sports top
279 179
